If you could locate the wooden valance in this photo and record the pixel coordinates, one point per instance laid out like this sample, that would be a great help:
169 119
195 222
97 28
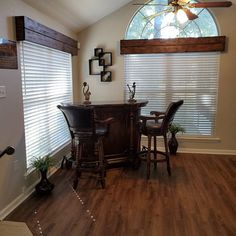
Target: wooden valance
30 30
142 46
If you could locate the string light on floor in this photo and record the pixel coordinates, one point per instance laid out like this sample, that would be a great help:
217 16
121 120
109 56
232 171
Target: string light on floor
38 224
82 203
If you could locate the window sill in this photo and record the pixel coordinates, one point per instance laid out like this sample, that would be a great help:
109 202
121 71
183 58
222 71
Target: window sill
199 139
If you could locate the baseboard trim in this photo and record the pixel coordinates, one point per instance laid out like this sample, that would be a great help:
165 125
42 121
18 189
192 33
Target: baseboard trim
16 202
196 150
207 151
204 151
22 197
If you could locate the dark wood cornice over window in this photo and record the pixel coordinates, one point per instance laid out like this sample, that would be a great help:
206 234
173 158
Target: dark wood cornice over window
8 54
142 46
30 30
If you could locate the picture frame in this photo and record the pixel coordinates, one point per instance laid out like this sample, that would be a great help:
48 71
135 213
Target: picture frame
98 52
94 67
106 59
106 76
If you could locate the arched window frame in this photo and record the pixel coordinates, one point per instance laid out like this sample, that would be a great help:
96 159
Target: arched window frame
143 25
208 43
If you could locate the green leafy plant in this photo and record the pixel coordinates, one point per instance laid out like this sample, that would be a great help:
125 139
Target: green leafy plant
174 128
42 163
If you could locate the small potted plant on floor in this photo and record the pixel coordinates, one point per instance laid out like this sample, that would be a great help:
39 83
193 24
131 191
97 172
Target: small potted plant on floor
42 164
173 143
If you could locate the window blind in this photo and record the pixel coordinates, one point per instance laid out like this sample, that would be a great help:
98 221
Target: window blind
46 81
162 78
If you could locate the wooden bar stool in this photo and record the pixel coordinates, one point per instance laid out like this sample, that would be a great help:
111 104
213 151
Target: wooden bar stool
88 135
153 126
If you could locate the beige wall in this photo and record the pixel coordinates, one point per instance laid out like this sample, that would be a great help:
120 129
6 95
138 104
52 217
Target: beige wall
107 34
13 182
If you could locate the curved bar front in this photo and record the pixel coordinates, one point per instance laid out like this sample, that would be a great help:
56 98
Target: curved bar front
122 143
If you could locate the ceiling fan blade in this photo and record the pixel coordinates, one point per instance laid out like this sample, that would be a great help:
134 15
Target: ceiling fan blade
190 15
210 4
148 4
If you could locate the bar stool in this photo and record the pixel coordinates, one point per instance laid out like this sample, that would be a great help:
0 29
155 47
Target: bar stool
88 134
153 126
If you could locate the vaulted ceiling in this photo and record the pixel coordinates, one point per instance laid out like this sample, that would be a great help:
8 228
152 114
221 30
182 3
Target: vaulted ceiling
77 14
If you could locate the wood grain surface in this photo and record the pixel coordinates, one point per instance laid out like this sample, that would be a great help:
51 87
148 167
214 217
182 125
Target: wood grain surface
198 199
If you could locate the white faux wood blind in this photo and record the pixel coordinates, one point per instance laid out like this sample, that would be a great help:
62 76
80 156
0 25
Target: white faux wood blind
46 82
162 78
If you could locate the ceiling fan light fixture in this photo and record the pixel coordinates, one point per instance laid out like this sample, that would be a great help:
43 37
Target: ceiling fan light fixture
181 16
181 8
170 16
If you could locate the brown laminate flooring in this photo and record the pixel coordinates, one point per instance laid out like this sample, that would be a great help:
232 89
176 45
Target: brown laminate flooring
198 199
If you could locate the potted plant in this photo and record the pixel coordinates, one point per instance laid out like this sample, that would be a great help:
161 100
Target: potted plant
174 128
42 164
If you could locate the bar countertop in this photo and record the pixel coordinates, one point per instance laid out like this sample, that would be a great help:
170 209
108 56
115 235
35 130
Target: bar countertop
140 103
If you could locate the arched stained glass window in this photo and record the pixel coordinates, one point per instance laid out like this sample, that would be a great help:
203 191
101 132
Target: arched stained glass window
167 25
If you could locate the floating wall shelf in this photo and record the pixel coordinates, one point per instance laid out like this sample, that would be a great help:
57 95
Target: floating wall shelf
99 63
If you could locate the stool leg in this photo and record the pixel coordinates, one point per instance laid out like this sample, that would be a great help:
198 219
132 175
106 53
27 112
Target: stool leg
167 156
78 155
137 160
62 163
149 156
101 162
73 149
155 152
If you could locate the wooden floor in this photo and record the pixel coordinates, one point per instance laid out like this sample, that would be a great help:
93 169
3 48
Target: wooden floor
198 199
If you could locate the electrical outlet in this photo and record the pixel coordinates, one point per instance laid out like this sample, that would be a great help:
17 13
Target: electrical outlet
2 91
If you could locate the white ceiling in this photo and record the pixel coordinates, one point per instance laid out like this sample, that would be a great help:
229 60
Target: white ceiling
77 14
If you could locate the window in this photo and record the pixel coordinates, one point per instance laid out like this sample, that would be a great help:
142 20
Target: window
162 78
46 81
164 25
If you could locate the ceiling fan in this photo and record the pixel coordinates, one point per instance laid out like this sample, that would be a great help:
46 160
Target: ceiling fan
184 6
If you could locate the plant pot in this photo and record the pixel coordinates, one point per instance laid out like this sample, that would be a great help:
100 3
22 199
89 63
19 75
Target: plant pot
173 144
44 186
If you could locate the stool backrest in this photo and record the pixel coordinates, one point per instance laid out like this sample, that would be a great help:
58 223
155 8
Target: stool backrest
80 119
170 114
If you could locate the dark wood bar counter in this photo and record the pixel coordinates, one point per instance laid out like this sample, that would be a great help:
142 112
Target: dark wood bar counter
122 142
